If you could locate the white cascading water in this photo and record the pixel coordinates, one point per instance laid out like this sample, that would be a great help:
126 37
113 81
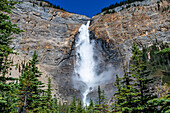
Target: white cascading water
85 63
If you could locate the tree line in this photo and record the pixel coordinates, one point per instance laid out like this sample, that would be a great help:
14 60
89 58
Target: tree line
45 3
112 6
110 9
134 94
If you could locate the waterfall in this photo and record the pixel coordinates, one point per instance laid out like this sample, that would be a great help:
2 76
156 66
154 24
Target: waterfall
90 69
85 63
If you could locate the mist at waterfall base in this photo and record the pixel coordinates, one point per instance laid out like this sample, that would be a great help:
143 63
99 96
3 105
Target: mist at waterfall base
87 72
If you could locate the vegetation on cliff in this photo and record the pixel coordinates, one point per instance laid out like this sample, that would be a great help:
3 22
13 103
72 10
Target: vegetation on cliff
46 3
134 90
112 6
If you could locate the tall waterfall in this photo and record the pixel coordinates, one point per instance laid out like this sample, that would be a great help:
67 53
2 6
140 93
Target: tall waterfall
91 69
85 64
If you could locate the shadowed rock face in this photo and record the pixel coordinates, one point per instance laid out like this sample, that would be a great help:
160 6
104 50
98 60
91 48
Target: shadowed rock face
52 33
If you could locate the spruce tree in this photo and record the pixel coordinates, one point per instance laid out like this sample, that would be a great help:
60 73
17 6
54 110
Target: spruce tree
126 95
7 89
117 94
73 106
48 99
160 105
140 72
133 89
99 98
47 104
79 107
101 105
30 87
55 104
90 108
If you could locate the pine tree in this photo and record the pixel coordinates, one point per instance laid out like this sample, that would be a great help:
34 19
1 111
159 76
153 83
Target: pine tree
99 98
133 89
47 104
79 107
158 61
7 89
101 105
126 95
140 72
55 104
30 86
90 108
117 94
59 107
73 106
49 96
163 104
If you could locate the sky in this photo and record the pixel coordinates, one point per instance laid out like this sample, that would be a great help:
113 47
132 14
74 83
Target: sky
84 7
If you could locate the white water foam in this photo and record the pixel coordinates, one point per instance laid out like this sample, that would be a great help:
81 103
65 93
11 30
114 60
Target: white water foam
86 67
85 63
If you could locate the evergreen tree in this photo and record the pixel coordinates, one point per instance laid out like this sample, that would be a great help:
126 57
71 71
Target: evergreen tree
59 107
158 60
79 107
117 94
140 72
133 89
90 108
73 106
126 100
101 105
7 89
47 104
160 105
99 98
49 95
30 87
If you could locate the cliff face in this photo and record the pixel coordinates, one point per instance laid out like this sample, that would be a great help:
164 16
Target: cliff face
52 33
116 32
141 24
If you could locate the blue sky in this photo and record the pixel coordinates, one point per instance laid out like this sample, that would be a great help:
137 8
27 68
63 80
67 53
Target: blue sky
84 7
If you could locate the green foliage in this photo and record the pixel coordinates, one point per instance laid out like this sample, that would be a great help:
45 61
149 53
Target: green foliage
79 107
90 108
73 106
134 90
160 105
8 89
30 86
126 95
49 4
7 29
164 51
139 68
101 105
159 59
